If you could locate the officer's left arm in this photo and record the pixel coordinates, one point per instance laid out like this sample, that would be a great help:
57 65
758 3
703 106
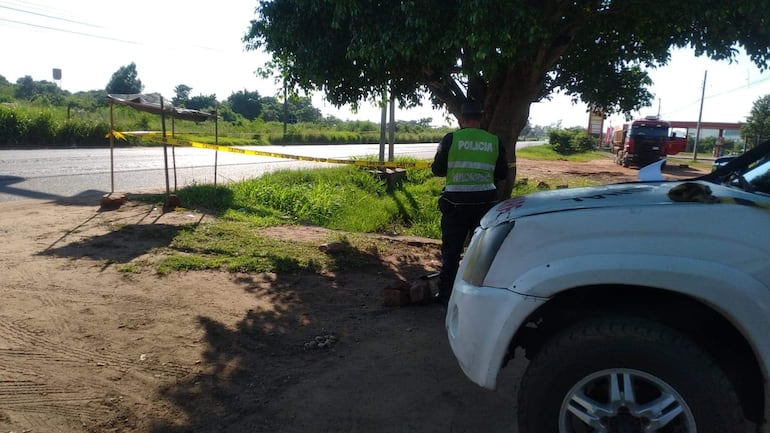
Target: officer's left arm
441 161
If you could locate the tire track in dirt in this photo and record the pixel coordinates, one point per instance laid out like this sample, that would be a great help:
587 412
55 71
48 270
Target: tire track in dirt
45 349
42 406
32 392
36 397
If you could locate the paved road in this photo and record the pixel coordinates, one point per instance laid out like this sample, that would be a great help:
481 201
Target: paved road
55 174
75 172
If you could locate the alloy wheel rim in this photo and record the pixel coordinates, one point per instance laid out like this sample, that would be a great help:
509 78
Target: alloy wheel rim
622 400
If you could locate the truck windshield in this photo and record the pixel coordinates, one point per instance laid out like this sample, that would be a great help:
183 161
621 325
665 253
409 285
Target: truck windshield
652 131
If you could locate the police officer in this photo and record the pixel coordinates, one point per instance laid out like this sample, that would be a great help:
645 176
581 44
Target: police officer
472 159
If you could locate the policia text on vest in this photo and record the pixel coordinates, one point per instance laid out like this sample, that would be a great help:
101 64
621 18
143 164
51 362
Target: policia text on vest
471 161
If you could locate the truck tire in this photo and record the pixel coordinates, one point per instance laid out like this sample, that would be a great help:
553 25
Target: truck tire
624 374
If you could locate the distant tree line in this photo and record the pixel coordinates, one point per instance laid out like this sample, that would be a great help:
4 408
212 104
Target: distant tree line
248 104
40 113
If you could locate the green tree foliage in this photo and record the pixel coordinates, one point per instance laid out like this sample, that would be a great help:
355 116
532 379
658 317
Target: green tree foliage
201 102
125 81
89 100
303 109
506 53
425 121
707 145
228 115
25 88
757 126
245 103
272 109
300 109
182 95
40 91
6 90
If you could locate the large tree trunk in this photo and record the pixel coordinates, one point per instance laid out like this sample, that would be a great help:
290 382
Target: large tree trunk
507 115
507 97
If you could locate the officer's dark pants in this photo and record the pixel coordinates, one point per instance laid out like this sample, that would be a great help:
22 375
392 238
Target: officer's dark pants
457 222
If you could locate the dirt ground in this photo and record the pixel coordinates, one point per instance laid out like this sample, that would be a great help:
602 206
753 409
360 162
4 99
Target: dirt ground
85 347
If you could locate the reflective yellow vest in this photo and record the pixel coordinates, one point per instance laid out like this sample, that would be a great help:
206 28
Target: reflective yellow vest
472 158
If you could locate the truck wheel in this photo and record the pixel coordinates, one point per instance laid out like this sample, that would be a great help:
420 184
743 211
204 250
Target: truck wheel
622 374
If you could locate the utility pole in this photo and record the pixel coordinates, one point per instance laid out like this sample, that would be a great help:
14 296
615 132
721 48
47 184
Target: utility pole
285 107
700 115
392 127
383 123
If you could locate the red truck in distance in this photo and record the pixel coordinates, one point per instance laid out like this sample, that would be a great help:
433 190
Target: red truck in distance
645 141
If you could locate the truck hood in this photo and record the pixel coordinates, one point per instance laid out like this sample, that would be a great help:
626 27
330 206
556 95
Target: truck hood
631 194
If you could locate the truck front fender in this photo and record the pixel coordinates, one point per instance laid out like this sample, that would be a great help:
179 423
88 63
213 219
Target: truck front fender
737 296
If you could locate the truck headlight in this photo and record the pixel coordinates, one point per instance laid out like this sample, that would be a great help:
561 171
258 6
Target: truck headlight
482 251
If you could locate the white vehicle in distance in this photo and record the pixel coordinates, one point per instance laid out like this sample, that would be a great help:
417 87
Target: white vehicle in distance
640 306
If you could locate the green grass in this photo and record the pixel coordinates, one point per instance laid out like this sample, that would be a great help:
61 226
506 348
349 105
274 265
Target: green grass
344 198
546 153
27 123
348 199
686 158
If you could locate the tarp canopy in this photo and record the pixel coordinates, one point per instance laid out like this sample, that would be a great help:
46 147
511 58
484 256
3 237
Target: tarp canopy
150 103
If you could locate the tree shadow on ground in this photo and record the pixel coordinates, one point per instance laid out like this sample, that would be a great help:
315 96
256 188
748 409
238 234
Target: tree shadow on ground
121 245
125 239
6 182
319 353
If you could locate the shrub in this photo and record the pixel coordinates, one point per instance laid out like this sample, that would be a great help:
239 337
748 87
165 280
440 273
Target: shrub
42 129
582 142
559 140
95 133
570 141
12 126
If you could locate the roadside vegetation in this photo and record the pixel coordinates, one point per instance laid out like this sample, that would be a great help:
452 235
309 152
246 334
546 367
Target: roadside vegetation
354 203
36 124
39 113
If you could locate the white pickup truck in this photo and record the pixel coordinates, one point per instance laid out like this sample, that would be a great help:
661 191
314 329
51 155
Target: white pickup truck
641 306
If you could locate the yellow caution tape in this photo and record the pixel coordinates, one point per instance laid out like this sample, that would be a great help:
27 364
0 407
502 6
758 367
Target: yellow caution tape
178 142
115 134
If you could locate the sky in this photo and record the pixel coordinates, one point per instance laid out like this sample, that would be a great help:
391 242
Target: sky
199 44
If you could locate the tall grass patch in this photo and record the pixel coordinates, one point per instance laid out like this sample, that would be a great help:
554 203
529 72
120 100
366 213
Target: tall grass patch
345 198
349 199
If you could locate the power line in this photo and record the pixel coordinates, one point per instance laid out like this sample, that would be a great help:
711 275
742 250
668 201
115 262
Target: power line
740 87
13 7
72 32
685 106
49 16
